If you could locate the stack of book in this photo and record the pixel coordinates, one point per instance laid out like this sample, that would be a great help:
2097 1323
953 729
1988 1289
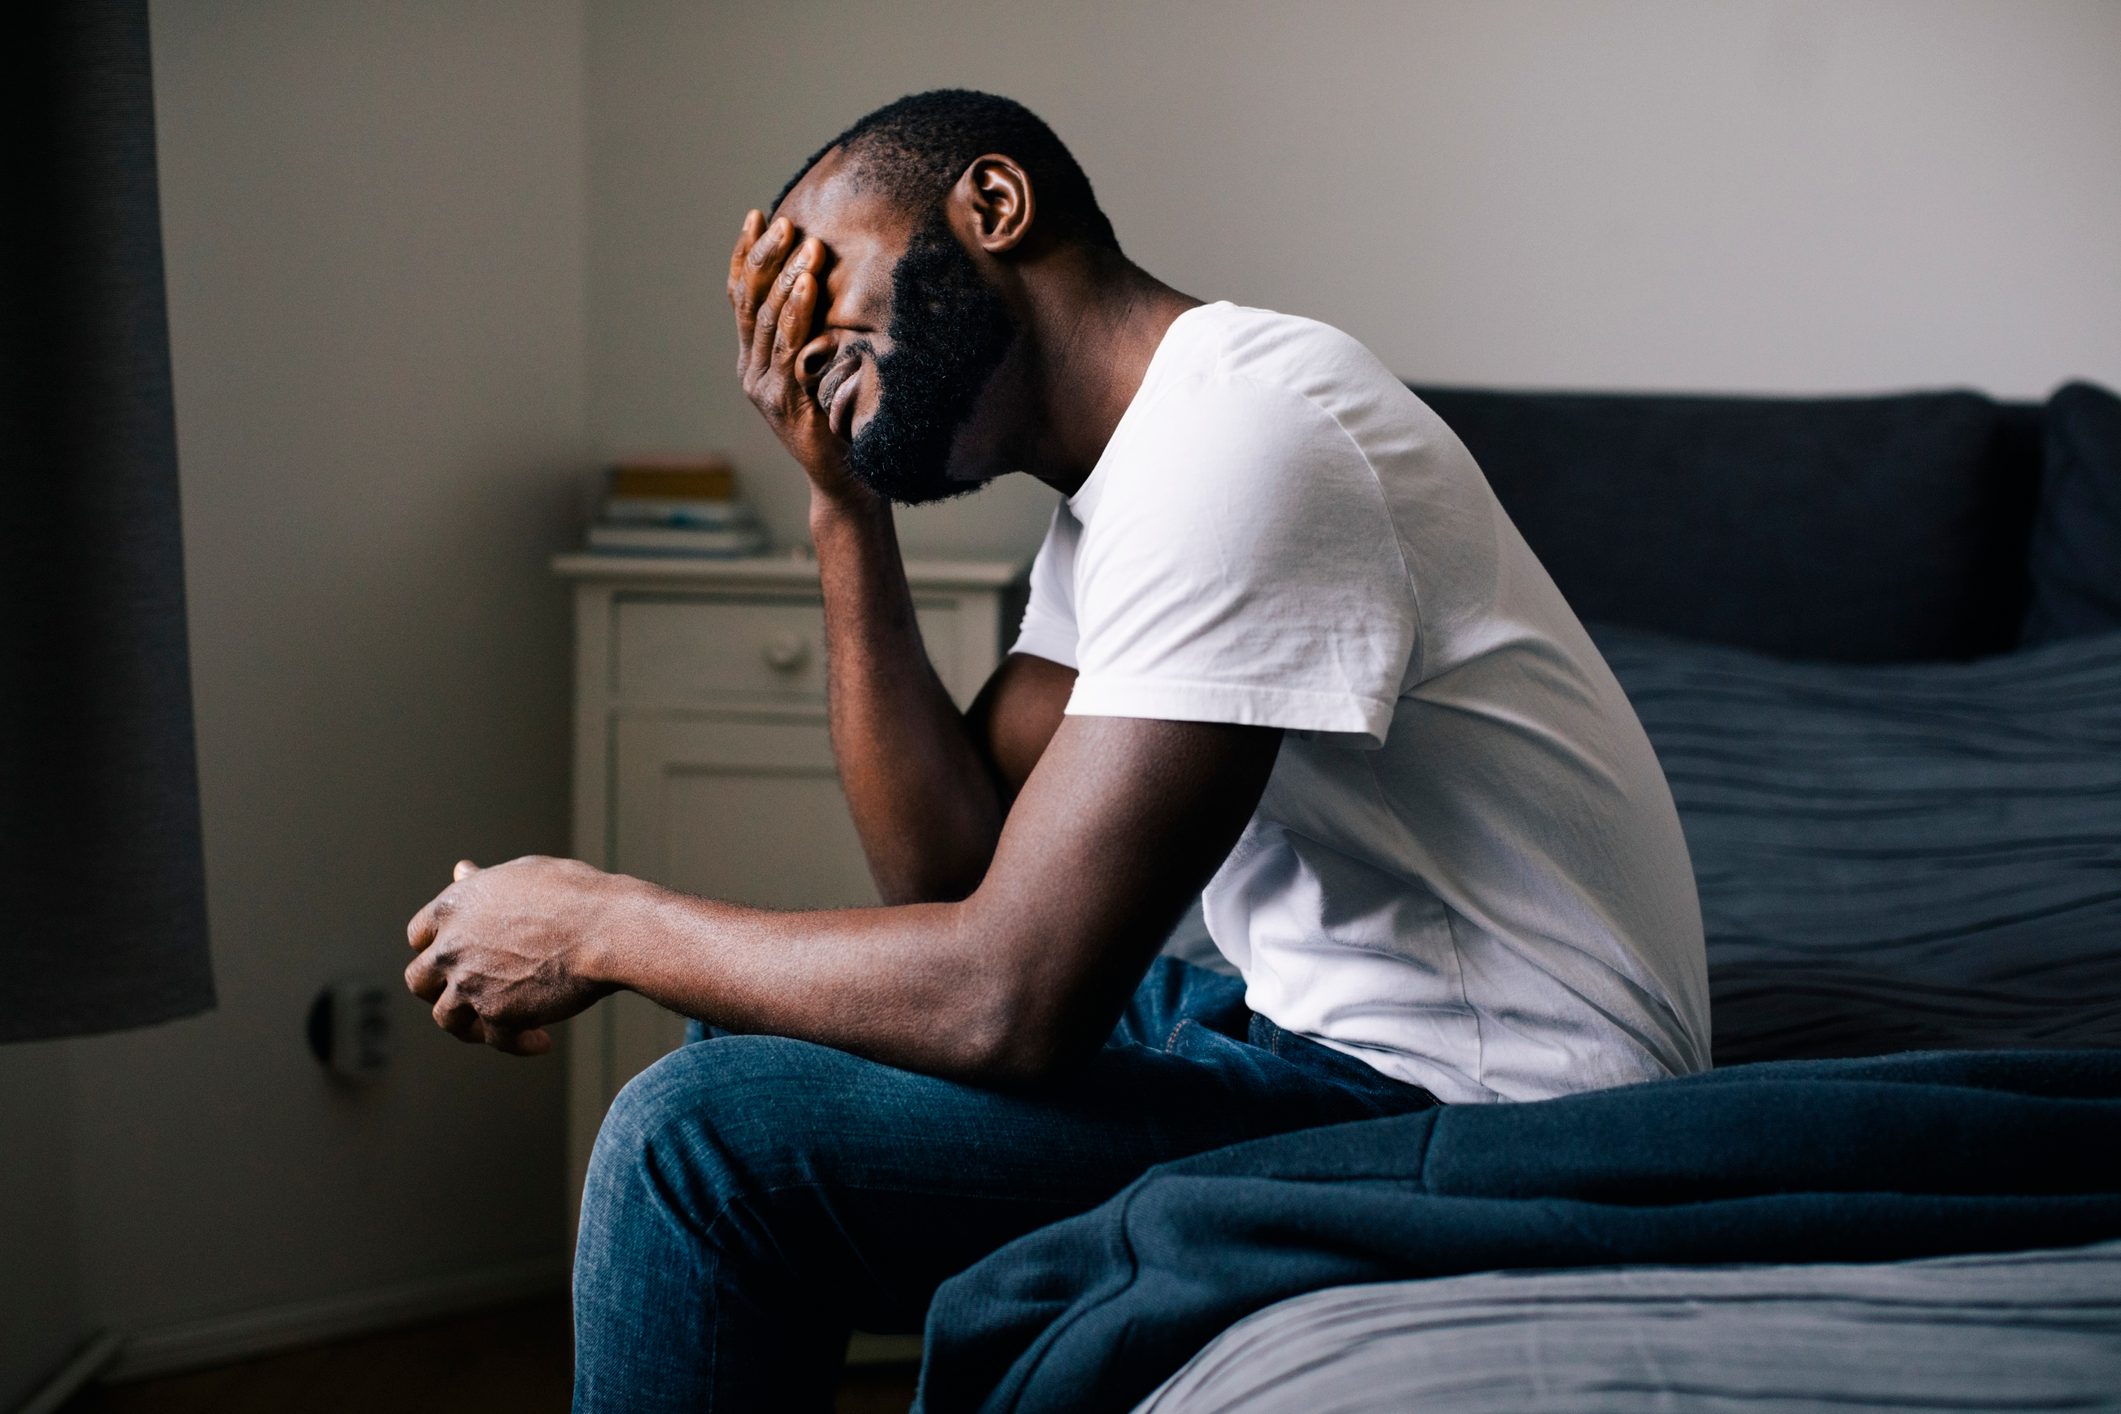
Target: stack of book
675 506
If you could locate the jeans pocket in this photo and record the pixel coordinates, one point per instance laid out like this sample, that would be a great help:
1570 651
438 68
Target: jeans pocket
1338 1067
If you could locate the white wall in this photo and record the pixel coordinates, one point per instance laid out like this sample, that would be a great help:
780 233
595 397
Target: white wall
1769 195
373 219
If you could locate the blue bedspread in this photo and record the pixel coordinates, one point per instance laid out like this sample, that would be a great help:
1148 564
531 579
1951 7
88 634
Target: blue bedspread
1819 1160
1893 857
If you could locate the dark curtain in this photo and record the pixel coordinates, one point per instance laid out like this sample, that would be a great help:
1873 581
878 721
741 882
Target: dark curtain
102 880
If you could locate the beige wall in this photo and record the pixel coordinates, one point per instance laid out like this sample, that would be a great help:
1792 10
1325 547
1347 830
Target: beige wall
373 226
43 1316
1752 194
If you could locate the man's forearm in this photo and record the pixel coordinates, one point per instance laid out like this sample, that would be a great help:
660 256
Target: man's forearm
1099 858
905 985
922 793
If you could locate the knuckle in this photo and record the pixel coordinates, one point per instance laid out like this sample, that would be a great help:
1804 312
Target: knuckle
456 1018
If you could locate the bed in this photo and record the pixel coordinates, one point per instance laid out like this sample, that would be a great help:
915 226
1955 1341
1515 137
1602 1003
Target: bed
2012 1330
1877 643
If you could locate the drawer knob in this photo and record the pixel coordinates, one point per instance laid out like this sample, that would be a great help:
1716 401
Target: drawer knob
785 652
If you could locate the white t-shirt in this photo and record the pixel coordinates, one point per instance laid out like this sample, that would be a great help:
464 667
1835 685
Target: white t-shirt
1466 868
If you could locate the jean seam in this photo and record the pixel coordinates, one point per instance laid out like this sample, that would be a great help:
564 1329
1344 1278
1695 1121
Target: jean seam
714 1346
1171 1041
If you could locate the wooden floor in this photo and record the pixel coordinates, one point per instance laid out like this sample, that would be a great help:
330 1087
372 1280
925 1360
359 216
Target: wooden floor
516 1358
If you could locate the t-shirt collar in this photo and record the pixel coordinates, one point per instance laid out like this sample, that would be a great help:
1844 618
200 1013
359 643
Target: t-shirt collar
1083 504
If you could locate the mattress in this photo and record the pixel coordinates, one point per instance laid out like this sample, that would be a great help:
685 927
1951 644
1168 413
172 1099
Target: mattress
2020 1330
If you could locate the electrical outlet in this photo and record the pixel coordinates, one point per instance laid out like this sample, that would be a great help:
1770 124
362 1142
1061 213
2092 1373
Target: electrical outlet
351 1028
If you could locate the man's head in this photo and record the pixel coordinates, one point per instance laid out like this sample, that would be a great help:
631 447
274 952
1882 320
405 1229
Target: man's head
914 150
923 332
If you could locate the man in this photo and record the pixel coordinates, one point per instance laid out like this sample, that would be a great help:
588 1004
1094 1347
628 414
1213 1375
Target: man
1282 647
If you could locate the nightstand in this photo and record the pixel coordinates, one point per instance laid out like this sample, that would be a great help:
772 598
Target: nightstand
702 759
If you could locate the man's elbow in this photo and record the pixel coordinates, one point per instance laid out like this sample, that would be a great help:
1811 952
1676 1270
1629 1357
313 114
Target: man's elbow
1027 1034
1037 992
1019 1059
1024 1061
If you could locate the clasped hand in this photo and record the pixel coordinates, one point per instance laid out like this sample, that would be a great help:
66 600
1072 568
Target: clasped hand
503 952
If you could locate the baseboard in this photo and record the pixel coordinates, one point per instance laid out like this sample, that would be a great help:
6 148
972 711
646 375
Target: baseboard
67 1381
866 1349
217 1340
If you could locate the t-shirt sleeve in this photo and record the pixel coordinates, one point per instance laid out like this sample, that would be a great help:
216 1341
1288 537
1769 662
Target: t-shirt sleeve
1048 629
1241 565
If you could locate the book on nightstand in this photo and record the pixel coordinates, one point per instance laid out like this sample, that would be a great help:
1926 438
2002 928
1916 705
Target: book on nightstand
677 539
675 506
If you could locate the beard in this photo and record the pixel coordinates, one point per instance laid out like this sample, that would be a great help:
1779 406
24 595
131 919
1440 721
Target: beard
950 332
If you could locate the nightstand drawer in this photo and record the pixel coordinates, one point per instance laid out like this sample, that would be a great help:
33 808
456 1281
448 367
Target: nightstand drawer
673 648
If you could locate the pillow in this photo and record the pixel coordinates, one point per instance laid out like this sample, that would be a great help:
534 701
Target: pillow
2076 544
1896 857
1854 529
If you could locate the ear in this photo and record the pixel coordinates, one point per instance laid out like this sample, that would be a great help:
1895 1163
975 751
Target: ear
996 195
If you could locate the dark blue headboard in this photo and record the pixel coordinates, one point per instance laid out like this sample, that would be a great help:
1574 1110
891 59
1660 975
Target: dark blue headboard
1851 528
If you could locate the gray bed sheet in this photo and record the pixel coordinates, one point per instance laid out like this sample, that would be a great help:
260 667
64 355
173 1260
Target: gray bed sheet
2017 1331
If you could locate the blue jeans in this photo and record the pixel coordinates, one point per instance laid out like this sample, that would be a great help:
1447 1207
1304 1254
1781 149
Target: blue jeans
752 1198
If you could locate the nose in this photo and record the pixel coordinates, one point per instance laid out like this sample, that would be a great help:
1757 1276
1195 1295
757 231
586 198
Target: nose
816 359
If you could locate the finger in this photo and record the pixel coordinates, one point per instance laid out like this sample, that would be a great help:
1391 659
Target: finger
746 237
421 930
455 1015
794 329
755 280
766 330
534 1042
464 870
778 234
794 324
746 234
424 978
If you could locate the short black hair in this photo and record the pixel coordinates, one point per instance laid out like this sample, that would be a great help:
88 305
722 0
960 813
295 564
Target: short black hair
918 147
